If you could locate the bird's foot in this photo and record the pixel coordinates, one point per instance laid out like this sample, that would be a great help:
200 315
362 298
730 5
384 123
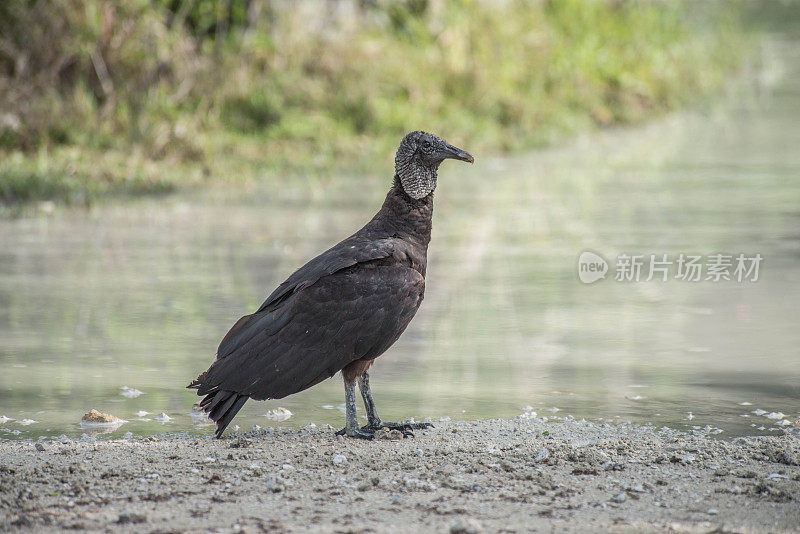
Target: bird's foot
392 429
358 433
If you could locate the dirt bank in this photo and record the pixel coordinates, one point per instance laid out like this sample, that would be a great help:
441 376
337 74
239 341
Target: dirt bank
482 476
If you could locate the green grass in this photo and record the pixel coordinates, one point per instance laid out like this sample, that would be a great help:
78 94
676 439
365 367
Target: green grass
79 176
282 97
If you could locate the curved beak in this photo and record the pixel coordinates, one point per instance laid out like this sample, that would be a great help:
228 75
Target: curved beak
454 152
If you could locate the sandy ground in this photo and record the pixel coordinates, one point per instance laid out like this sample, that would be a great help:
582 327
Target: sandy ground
484 476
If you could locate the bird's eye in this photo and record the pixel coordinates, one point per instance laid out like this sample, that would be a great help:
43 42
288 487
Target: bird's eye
426 145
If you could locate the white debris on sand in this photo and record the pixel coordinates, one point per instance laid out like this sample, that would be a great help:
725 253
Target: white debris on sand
278 414
163 418
130 393
26 422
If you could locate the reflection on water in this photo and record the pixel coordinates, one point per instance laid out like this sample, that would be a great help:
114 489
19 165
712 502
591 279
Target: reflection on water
138 295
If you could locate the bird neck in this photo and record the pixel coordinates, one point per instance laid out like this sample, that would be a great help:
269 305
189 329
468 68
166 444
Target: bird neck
406 217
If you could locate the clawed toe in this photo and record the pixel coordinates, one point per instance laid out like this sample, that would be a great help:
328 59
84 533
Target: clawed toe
404 428
360 433
372 430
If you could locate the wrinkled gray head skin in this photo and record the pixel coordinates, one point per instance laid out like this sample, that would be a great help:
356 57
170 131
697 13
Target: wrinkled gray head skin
418 157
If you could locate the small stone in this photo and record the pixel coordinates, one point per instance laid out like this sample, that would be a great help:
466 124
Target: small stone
712 511
287 468
131 517
417 484
620 498
339 459
542 455
275 484
40 447
385 433
467 525
94 416
241 443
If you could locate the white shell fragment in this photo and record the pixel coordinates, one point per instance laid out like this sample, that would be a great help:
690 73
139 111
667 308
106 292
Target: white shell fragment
278 414
130 393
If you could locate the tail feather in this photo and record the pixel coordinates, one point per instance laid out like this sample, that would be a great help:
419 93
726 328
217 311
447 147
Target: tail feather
222 406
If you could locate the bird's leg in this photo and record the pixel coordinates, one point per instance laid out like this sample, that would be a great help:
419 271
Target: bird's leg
372 414
351 425
375 422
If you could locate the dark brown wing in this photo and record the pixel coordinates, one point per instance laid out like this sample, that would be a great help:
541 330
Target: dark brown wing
313 329
355 249
347 253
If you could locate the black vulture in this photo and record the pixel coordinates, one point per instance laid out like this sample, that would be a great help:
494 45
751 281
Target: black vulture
340 310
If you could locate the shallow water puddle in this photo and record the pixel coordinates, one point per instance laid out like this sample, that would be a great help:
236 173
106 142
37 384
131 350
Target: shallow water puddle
119 307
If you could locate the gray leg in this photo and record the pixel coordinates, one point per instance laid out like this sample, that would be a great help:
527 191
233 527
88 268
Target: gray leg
351 426
375 422
368 431
369 404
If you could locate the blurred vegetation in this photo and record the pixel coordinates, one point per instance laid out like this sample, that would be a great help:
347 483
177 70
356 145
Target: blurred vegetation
143 96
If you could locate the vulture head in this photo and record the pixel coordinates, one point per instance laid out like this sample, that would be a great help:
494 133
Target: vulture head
418 157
